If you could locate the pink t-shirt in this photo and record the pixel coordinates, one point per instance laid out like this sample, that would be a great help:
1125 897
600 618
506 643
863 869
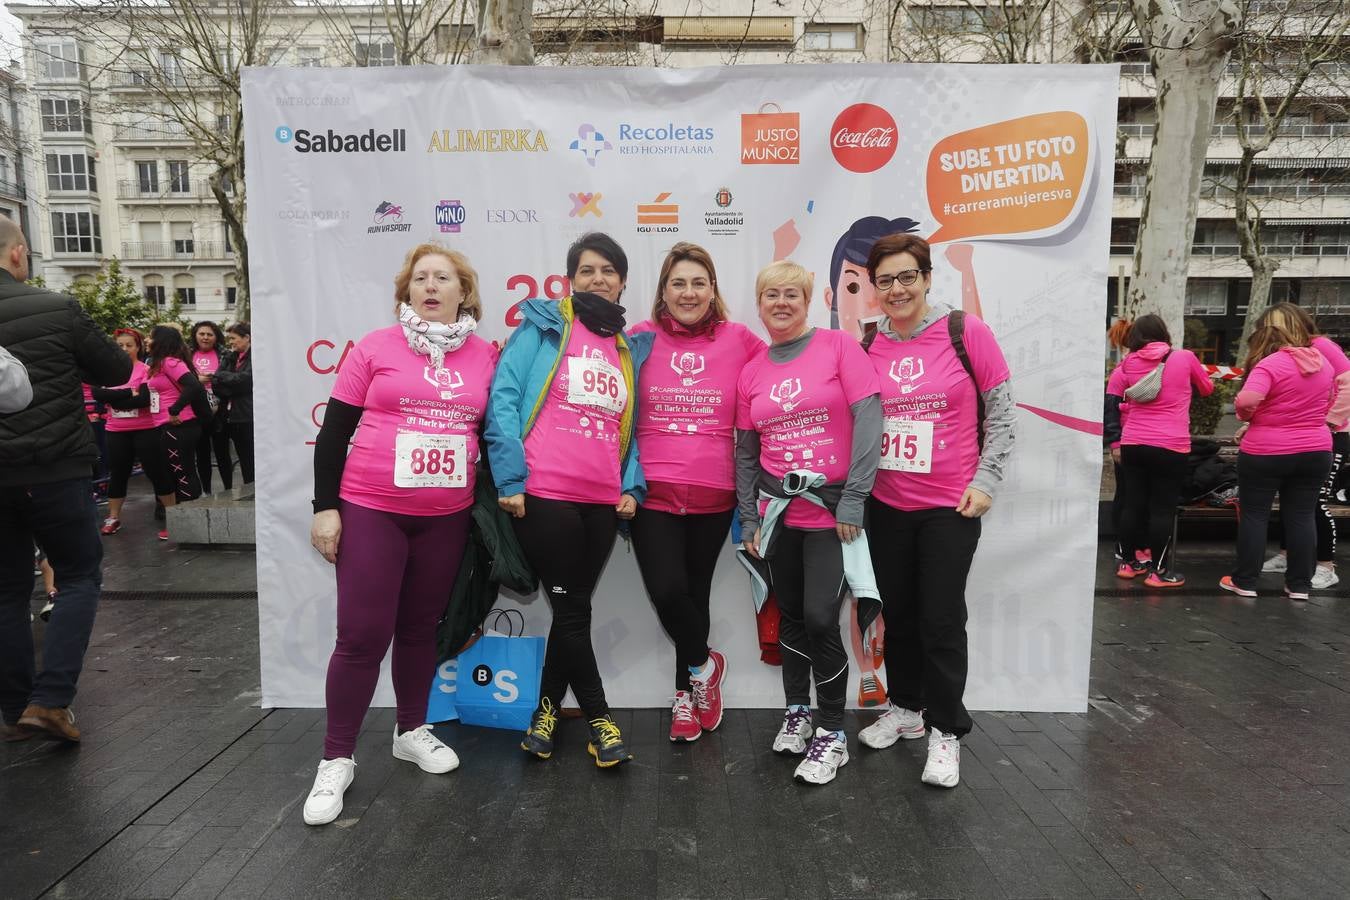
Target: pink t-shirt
572 452
1333 354
801 410
416 447
686 412
1292 416
132 419
930 431
1164 421
164 391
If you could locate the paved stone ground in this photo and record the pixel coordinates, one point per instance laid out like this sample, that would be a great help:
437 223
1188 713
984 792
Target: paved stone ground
1212 763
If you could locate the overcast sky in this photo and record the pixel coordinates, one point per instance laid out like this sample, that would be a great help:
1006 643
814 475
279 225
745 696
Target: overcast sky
9 36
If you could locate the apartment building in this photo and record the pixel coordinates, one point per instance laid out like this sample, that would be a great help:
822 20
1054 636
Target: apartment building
122 178
14 152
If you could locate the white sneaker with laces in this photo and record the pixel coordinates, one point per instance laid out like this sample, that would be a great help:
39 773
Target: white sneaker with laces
1325 577
794 734
324 803
943 768
894 724
419 745
1277 563
823 758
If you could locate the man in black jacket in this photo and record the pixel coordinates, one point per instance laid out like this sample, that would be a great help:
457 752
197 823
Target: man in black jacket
47 457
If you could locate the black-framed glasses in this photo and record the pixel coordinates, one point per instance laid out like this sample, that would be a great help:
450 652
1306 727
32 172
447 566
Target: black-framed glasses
907 277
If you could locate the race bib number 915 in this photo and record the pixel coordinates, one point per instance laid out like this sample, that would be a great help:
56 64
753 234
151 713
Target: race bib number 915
907 445
430 460
595 383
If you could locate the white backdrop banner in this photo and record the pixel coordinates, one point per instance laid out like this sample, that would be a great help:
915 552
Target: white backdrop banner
1007 169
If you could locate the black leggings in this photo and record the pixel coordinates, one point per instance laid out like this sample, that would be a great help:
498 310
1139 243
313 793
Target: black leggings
180 450
806 569
921 559
1326 525
567 544
215 440
241 435
124 447
677 556
1296 477
1153 480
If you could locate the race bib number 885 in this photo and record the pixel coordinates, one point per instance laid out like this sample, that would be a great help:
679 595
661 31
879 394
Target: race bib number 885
430 460
907 445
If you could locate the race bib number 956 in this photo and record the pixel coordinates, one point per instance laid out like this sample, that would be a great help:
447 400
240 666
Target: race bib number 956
907 445
430 460
595 383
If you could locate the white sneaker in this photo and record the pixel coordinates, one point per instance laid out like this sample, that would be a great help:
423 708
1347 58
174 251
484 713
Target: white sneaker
419 745
324 803
794 734
1325 577
823 758
943 768
895 723
1277 563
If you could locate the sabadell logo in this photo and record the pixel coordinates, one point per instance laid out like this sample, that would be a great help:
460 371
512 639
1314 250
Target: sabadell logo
305 141
863 138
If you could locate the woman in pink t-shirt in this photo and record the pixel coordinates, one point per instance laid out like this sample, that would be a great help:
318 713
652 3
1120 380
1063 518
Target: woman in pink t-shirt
1285 447
947 436
808 426
178 405
208 354
1155 441
686 413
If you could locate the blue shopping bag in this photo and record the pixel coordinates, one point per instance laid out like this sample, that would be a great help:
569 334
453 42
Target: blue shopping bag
441 703
497 676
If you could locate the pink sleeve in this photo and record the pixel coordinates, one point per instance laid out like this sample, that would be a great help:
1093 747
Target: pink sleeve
1339 413
743 420
754 344
856 372
1115 385
986 357
1332 353
354 379
1254 390
175 368
1199 377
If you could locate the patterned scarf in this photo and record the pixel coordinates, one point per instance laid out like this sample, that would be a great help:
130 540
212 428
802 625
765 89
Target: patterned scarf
435 339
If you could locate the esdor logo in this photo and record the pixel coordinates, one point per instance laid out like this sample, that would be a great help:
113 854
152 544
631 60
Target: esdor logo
863 138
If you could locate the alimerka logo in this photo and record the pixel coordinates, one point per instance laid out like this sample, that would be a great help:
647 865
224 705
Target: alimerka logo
488 140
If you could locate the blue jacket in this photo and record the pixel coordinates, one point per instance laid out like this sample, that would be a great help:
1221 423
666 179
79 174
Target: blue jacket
523 375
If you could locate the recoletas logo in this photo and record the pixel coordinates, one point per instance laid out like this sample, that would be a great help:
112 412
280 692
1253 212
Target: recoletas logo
303 140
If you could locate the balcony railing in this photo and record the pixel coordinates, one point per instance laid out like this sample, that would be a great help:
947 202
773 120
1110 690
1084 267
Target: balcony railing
13 189
1282 191
1331 130
1333 251
154 132
147 79
1128 190
134 190
168 250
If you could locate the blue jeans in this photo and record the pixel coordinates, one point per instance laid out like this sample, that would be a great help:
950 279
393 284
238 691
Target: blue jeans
63 519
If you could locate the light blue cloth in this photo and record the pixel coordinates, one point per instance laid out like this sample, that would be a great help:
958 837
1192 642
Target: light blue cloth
862 581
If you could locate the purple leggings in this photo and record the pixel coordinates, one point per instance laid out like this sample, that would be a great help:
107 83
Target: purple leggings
375 605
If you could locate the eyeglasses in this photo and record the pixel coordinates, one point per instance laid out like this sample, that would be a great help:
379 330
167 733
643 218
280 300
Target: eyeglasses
907 277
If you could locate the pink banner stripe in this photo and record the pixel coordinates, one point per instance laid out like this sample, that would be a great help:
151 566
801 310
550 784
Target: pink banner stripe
1083 425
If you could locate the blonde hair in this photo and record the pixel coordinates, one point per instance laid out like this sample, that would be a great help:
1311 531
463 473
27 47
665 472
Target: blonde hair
469 301
687 252
1293 320
784 273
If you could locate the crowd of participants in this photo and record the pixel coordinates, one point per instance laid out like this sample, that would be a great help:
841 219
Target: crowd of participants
849 466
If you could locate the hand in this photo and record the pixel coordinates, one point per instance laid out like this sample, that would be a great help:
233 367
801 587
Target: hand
325 532
847 533
1115 455
174 420
752 545
1241 431
514 504
626 508
974 503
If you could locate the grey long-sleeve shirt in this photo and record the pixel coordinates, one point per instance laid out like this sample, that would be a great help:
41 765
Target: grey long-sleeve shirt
862 467
16 392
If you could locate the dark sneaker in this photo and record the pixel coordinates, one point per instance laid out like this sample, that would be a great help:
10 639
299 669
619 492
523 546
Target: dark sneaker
606 743
55 722
539 738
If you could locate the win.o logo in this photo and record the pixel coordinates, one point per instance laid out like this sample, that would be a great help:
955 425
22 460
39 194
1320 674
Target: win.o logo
284 134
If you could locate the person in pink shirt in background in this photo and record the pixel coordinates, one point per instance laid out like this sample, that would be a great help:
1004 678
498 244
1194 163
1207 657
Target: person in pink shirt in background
178 405
1154 442
1285 447
685 419
1294 319
208 354
393 514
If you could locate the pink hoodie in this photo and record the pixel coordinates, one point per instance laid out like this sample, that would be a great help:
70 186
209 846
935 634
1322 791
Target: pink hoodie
1339 417
1164 421
1286 399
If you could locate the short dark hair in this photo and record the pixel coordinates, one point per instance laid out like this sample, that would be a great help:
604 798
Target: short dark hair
239 328
220 336
892 244
1147 329
598 242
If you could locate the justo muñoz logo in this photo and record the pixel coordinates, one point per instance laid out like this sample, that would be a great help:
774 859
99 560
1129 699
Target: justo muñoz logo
863 138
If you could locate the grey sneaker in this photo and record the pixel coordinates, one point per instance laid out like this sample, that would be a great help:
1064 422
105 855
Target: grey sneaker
1324 577
794 734
823 758
894 724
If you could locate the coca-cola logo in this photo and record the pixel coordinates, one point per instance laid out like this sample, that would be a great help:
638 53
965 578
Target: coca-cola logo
863 138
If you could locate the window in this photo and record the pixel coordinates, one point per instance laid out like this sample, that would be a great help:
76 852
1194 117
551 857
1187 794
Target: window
172 68
832 37
185 289
308 57
65 115
178 176
59 60
182 238
70 172
147 176
231 292
376 53
76 232
1321 296
229 245
223 123
154 289
1206 297
951 19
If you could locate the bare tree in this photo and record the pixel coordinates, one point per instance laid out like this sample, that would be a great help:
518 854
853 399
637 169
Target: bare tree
1274 67
423 33
504 33
1188 43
